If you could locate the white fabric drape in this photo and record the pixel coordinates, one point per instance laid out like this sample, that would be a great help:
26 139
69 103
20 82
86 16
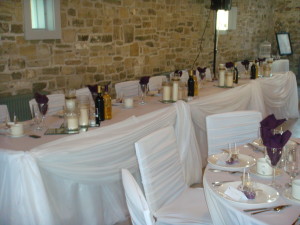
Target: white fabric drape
77 179
277 94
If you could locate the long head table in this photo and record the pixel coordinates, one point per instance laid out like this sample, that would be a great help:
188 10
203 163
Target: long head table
76 179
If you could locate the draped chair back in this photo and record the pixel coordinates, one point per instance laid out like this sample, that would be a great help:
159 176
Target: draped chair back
238 127
4 114
155 82
160 167
127 89
55 104
280 66
136 202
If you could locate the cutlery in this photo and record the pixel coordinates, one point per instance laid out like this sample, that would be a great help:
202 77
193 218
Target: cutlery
276 209
259 209
217 170
294 223
219 183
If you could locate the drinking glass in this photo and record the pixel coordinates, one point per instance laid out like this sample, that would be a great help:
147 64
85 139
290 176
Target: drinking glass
202 78
272 157
43 108
291 165
143 89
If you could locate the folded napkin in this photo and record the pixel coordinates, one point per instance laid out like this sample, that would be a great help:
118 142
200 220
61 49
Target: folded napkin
144 80
93 88
41 99
271 122
235 194
229 65
201 70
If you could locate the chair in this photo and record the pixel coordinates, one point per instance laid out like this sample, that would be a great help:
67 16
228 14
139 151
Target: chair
85 91
4 114
127 89
56 103
169 198
136 202
280 66
155 83
238 127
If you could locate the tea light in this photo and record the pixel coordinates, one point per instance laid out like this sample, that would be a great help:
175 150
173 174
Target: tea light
175 90
72 122
221 77
229 79
16 129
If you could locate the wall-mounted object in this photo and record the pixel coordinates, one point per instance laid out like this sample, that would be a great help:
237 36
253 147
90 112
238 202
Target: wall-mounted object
220 4
284 43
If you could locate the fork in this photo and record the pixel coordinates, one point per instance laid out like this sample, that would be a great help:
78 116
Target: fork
294 223
217 170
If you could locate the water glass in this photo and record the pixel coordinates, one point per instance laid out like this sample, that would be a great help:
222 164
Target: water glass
291 165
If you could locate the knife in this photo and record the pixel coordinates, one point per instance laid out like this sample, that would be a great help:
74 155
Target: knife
258 209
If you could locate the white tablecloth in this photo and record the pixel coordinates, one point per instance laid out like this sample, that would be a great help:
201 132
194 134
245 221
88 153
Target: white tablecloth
228 212
76 179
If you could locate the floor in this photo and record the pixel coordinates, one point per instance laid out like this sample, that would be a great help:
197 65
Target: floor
292 124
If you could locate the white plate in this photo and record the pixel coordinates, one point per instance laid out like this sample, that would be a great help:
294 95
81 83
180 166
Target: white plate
254 172
258 143
288 194
219 161
114 102
264 193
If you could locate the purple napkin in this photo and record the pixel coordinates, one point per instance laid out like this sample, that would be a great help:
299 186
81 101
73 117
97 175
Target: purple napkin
144 80
271 122
201 70
229 65
41 99
92 88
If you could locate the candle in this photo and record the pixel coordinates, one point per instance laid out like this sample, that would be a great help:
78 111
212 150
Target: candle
221 77
175 90
229 79
84 115
128 102
166 92
72 122
71 104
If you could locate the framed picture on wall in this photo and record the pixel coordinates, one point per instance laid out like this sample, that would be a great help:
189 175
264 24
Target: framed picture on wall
284 43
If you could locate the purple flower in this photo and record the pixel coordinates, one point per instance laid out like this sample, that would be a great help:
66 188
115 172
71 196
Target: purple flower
229 65
144 80
201 70
41 99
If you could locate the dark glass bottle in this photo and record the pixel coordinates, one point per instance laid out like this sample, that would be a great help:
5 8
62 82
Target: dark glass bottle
236 74
253 71
99 107
191 84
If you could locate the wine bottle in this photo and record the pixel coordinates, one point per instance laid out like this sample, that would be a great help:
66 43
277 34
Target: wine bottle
99 106
191 85
253 71
107 104
236 74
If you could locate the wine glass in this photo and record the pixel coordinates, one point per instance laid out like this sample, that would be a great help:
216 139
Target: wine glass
272 157
143 88
43 108
202 77
291 165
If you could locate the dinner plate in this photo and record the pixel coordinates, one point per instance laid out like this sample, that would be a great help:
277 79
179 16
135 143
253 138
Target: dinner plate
114 102
254 172
264 193
258 143
288 194
219 161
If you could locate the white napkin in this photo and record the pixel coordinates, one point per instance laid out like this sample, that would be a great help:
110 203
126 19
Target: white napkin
235 194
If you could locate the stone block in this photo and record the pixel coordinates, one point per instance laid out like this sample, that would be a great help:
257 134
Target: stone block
98 77
17 28
51 70
91 69
8 38
29 74
73 62
82 37
4 27
39 86
16 75
7 18
5 77
77 23
128 33
68 70
134 49
80 69
16 63
68 35
38 63
71 12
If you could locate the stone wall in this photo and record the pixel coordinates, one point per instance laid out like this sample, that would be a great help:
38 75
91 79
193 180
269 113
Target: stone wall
118 40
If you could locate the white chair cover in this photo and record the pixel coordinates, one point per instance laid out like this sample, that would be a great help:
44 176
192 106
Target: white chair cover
127 89
237 127
85 91
136 202
4 114
280 66
56 103
167 194
155 82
